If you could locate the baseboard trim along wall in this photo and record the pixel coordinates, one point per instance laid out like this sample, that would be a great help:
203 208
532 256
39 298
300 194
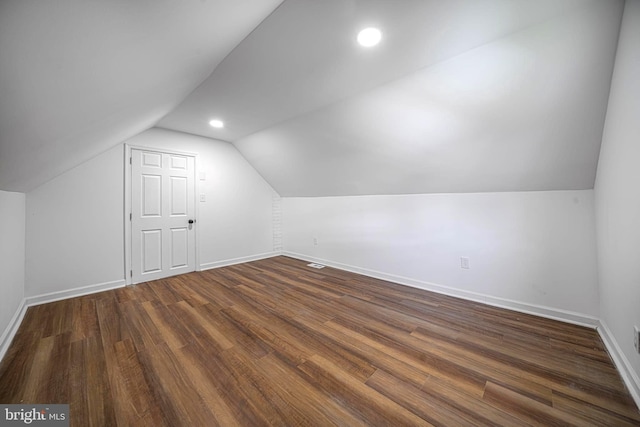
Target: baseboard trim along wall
233 261
12 329
75 292
630 378
620 361
16 320
537 310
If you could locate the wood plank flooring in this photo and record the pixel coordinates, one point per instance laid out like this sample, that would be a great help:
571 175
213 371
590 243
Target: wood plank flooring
274 342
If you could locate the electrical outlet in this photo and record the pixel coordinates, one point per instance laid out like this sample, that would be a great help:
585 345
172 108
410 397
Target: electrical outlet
636 338
203 197
315 241
464 262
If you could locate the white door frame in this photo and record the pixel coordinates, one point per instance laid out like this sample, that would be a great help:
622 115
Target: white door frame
127 204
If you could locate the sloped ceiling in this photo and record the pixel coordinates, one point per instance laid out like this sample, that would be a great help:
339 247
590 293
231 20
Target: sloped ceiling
460 96
77 77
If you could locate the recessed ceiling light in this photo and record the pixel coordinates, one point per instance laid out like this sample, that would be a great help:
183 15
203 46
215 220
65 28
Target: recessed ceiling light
369 37
216 123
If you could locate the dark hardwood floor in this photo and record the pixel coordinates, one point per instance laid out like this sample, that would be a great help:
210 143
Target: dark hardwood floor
274 342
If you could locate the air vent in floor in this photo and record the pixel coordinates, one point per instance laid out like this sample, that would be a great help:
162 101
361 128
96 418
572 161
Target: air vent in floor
314 265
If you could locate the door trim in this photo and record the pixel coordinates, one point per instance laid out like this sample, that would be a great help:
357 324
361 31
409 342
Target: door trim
127 204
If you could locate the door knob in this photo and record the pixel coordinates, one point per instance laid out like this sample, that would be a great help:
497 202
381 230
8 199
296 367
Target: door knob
191 221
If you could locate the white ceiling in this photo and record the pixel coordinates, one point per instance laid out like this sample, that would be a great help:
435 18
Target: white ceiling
460 96
78 77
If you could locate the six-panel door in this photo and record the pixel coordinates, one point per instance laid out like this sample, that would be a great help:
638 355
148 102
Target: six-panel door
162 204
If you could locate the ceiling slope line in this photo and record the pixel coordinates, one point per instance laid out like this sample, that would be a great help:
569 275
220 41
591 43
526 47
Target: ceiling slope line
434 64
195 89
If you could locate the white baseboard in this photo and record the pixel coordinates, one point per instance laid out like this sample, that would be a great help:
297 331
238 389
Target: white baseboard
627 373
16 320
233 261
11 329
72 293
522 307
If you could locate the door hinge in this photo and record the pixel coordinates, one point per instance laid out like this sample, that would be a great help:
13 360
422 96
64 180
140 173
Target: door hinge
130 217
130 160
130 273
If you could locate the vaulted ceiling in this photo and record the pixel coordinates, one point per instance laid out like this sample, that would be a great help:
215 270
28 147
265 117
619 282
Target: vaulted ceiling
78 77
460 95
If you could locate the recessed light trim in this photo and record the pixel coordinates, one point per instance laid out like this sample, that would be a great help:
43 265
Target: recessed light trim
369 37
216 123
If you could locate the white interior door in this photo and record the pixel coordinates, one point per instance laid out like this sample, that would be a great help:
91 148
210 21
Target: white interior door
162 215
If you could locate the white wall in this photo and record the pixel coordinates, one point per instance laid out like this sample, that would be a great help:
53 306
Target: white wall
75 223
536 248
75 227
12 252
617 196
